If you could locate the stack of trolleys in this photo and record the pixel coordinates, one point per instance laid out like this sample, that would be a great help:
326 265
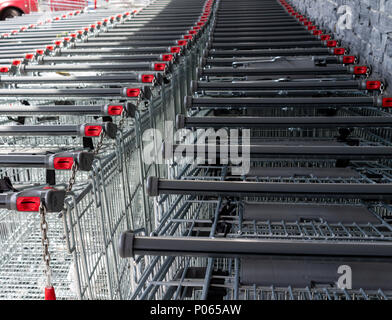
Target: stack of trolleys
311 218
77 92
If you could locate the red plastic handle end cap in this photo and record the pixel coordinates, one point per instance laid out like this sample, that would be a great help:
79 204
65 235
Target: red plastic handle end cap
63 163
175 49
360 70
159 66
92 131
325 37
349 59
167 57
373 85
339 51
147 78
115 110
332 43
133 92
28 204
387 102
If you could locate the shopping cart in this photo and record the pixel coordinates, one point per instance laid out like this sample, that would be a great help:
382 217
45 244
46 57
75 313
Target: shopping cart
68 103
315 200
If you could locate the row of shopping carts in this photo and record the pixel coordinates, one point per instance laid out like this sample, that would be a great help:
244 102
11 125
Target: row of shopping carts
76 94
279 181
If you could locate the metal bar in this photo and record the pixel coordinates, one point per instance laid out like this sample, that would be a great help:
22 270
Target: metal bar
375 101
256 152
282 122
156 186
58 161
90 130
132 245
30 199
235 72
278 85
272 52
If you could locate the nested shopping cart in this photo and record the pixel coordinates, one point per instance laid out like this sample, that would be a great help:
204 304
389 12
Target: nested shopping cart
74 109
314 202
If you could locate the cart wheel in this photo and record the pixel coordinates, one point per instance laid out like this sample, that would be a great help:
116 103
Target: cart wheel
10 13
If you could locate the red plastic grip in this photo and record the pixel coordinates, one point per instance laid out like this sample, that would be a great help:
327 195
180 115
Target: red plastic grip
92 131
115 110
360 70
29 204
175 49
339 51
373 85
167 57
63 163
182 42
159 66
349 59
147 78
387 102
332 43
133 92
50 293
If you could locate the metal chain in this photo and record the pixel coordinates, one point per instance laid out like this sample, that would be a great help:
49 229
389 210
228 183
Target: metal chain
74 168
100 143
72 179
382 88
45 244
122 120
